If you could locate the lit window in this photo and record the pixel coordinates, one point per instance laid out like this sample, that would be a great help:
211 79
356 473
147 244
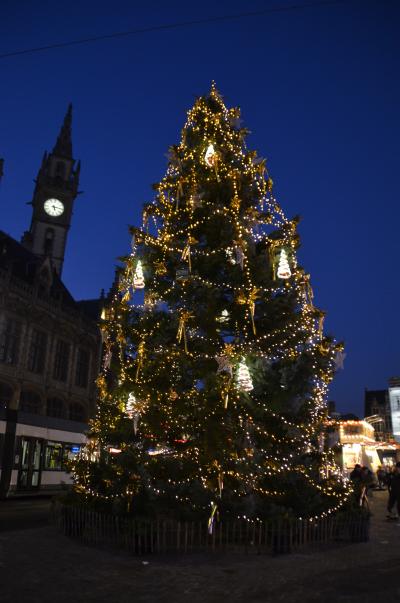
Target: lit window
53 456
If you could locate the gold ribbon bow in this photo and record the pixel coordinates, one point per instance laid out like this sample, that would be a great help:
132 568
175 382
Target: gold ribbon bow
214 509
252 306
140 354
321 319
250 301
184 317
271 251
308 292
186 251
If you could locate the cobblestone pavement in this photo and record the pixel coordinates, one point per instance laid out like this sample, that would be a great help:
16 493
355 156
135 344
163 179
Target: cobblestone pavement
39 564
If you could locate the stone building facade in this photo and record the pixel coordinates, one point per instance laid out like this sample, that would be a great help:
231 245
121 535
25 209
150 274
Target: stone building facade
50 344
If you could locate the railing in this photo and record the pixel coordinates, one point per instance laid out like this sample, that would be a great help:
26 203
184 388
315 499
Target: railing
142 537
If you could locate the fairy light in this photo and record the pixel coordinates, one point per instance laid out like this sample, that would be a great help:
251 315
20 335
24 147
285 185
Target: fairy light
237 271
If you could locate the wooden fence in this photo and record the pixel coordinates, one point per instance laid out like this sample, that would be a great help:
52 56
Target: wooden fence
143 537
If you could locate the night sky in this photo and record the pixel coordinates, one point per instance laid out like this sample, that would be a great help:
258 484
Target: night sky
319 89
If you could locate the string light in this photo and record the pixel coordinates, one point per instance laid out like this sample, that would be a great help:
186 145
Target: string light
210 238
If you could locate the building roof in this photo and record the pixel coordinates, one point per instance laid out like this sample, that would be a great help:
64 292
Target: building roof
26 267
91 307
375 395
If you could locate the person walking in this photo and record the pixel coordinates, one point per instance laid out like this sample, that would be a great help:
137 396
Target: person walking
381 477
394 492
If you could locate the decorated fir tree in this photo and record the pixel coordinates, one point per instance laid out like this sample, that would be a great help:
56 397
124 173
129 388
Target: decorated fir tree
212 392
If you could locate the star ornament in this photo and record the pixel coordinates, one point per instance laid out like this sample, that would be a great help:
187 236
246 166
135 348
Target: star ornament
339 360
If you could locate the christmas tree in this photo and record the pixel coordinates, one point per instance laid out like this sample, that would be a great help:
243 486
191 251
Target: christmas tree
212 391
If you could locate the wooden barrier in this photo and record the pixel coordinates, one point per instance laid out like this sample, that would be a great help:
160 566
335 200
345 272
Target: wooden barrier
143 537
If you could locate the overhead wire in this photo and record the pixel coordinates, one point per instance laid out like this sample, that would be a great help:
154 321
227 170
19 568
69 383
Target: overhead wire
176 25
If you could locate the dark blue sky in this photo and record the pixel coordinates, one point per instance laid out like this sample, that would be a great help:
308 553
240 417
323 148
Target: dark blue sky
319 89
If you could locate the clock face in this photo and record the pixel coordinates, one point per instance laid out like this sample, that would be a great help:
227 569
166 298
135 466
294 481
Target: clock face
53 207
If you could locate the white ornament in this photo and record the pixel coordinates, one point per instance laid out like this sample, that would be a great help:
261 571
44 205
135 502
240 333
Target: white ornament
283 266
224 317
132 412
243 378
339 360
231 259
138 277
210 157
239 256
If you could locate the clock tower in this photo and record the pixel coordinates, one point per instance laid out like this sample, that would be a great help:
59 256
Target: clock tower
56 188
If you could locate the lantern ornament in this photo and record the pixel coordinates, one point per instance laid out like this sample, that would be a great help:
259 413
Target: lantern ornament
243 378
211 156
283 265
138 277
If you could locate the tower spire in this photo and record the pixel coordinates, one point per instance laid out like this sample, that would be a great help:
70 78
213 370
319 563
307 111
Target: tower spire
63 146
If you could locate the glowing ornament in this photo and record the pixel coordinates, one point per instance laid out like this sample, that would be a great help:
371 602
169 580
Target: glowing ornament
243 378
231 259
224 318
131 410
113 450
138 277
158 450
283 266
211 156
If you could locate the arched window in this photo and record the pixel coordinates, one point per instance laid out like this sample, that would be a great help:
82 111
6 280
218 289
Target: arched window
6 393
55 408
30 402
77 412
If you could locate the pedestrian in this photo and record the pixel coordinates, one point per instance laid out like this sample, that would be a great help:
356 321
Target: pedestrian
394 492
367 483
356 474
381 477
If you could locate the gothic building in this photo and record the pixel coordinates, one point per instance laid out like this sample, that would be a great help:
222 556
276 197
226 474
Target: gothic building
50 344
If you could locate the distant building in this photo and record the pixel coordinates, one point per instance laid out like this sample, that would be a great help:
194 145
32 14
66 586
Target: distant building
50 344
376 402
394 400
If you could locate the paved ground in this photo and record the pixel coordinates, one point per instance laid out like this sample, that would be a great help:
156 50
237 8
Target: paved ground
38 564
23 513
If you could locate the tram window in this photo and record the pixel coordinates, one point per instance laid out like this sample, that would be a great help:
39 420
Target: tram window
53 456
70 452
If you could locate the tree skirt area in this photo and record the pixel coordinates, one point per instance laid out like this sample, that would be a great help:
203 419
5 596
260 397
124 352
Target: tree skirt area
39 564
